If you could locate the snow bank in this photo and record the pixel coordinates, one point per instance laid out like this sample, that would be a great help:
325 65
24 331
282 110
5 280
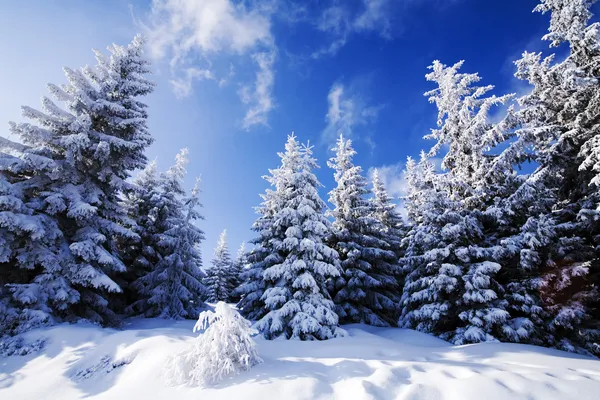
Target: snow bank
82 361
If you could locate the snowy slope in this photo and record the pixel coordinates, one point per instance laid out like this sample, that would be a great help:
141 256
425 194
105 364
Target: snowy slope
83 361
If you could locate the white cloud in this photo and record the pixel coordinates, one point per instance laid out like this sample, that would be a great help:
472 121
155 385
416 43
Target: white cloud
381 17
334 19
179 27
188 33
258 96
347 110
375 17
368 139
224 81
334 115
182 86
340 23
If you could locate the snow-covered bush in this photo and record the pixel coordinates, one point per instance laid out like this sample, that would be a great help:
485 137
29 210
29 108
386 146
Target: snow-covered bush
224 348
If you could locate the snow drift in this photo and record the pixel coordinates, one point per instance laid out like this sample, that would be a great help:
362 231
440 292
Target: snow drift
83 361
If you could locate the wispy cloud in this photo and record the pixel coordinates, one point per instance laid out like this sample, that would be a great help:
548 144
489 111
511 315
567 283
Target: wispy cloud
374 16
258 96
182 85
347 110
191 34
225 80
340 21
206 40
335 21
181 27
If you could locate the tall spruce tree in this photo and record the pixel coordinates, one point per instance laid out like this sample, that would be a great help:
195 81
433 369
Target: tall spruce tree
33 288
252 287
558 118
79 157
263 255
386 213
218 278
368 289
466 240
432 285
143 206
296 298
170 285
464 126
235 273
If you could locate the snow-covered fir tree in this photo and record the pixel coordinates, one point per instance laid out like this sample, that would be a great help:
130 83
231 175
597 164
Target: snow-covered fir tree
431 285
80 154
173 287
533 256
263 255
33 289
296 298
235 273
143 206
558 118
252 286
218 276
386 213
464 126
368 290
508 203
461 236
513 208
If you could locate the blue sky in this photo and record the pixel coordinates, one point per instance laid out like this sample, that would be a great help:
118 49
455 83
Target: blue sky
234 79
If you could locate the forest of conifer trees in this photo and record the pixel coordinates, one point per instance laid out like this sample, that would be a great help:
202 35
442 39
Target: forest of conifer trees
90 230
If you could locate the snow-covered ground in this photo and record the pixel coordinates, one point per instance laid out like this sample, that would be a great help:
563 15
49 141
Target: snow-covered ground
83 361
